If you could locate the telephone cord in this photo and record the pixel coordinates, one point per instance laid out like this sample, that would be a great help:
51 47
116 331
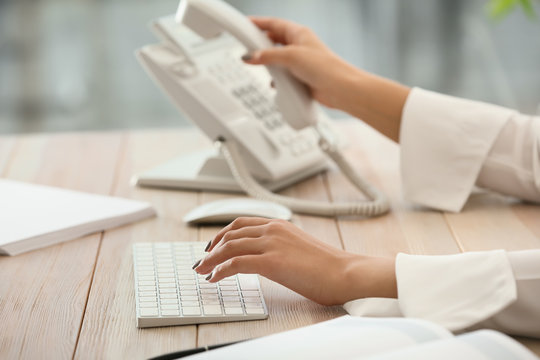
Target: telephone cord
377 205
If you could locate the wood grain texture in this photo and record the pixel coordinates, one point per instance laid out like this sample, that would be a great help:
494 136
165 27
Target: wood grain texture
488 221
43 293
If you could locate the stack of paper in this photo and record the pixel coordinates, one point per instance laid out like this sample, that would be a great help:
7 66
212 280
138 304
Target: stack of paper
35 216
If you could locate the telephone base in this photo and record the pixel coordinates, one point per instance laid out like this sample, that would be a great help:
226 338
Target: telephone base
208 170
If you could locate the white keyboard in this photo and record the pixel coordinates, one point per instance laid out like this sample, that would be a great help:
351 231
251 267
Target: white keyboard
169 292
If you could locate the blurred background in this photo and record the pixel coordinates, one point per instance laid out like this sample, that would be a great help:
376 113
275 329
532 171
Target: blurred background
68 64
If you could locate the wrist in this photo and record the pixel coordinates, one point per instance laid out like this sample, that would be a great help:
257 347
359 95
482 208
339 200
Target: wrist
368 276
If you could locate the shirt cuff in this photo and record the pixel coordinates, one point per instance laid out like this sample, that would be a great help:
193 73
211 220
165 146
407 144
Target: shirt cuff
373 307
455 291
444 142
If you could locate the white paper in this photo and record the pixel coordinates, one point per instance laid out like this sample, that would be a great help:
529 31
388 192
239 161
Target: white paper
478 345
34 216
342 338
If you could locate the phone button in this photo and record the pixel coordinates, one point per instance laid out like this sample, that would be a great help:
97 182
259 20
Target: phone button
184 69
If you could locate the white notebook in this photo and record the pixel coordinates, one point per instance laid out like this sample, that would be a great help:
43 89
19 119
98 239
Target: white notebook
351 338
35 216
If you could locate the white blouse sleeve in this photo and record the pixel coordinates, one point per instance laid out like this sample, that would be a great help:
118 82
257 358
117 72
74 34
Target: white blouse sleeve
492 289
450 144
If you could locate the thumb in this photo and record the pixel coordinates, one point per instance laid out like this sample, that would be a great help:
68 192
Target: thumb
283 56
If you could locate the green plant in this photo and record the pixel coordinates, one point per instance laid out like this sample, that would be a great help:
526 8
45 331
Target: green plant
500 8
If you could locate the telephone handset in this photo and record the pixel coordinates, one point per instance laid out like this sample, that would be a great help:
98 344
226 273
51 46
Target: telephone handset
210 18
272 135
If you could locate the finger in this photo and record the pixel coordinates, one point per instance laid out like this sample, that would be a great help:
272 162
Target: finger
236 224
281 31
246 264
229 250
254 231
285 56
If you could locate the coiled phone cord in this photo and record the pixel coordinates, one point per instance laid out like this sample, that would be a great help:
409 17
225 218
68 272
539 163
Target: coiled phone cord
377 205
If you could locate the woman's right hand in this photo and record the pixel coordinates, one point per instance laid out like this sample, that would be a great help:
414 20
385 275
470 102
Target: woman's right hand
333 82
284 253
306 57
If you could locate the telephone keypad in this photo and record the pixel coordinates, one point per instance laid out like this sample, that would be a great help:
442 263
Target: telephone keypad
244 86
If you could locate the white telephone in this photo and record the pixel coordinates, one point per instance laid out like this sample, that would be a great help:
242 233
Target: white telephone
274 135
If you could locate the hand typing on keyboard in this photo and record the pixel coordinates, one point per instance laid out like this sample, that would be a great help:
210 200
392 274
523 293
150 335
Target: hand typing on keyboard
280 251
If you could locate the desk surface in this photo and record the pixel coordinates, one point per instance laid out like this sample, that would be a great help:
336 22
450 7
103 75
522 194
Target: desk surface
76 299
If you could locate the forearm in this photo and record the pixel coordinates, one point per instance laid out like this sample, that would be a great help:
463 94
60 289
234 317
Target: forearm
375 100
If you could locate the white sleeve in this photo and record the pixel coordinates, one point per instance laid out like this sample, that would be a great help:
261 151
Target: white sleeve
493 289
448 144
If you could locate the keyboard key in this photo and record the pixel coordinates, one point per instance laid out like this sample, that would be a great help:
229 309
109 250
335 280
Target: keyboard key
207 286
190 303
254 311
170 312
209 291
212 310
253 304
230 298
248 282
249 300
188 292
250 293
168 301
191 311
234 311
210 301
232 303
152 304
168 296
229 293
228 288
167 290
149 312
163 285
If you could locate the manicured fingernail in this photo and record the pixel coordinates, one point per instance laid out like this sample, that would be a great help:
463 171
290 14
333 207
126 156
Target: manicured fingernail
247 57
209 276
208 246
196 264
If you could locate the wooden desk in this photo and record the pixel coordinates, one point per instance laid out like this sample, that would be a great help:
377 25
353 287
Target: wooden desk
76 299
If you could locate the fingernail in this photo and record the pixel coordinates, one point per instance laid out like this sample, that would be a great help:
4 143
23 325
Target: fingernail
196 264
247 57
209 276
208 246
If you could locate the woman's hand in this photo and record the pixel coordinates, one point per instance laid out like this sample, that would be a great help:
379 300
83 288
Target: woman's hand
282 252
305 56
332 81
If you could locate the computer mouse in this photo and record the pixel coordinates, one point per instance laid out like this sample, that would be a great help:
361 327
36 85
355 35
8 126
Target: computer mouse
225 211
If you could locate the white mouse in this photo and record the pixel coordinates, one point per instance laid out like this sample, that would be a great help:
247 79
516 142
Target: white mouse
225 211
